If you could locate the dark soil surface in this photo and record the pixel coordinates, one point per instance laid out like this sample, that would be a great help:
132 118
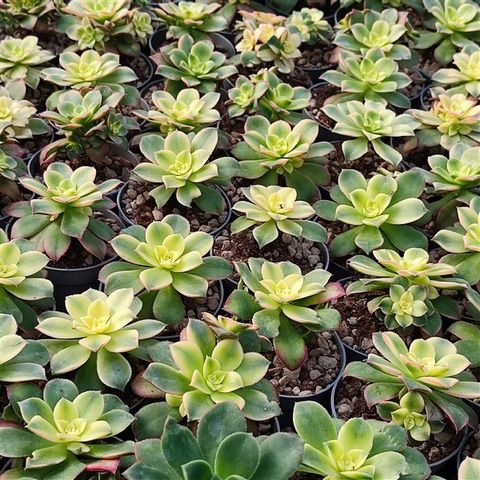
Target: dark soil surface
317 56
77 257
472 445
39 96
418 157
427 62
297 78
234 128
112 166
242 246
319 371
140 66
350 402
319 95
418 82
141 209
36 143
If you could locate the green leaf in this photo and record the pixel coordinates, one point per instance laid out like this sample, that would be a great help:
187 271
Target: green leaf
113 370
242 304
238 454
313 423
168 306
150 420
289 345
17 443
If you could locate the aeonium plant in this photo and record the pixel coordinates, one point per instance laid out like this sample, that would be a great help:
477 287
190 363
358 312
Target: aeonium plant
286 305
455 23
187 111
273 209
180 166
200 371
369 30
64 209
11 169
20 360
356 449
102 25
162 263
94 335
28 14
66 433
452 119
369 123
412 269
263 458
20 59
372 77
193 64
311 25
22 282
431 367
378 211
455 178
462 242
465 77
278 154
198 19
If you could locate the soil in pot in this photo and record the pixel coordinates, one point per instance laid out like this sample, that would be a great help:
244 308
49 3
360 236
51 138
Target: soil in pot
113 165
140 208
234 128
318 56
148 91
418 81
320 370
242 246
350 402
418 157
426 61
30 146
39 96
141 66
297 78
472 445
77 257
320 93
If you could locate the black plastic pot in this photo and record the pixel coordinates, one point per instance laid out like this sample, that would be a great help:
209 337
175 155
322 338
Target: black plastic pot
442 467
34 170
423 97
460 452
144 90
151 71
4 220
159 39
129 222
287 402
417 100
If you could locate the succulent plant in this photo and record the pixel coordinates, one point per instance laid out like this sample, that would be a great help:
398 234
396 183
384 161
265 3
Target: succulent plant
28 14
455 179
273 209
187 111
468 334
356 449
95 333
469 468
90 69
11 168
64 209
379 209
21 280
270 150
19 62
413 269
200 371
102 24
462 242
431 367
65 432
163 262
408 413
266 94
372 77
368 123
20 360
456 23
210 454
17 120
285 305
277 45
311 25
384 30
180 165
198 19
452 119
465 78
406 305
193 64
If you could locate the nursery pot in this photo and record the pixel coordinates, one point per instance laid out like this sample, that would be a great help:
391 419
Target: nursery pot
128 222
76 280
33 166
151 67
459 455
287 402
159 39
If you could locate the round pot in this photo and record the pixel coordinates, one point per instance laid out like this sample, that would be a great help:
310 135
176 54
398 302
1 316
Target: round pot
439 467
279 10
76 280
34 170
340 14
159 39
459 456
145 88
424 97
4 220
324 132
129 222
416 100
287 402
151 67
